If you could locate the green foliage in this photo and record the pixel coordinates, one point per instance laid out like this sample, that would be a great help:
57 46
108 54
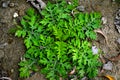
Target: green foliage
57 42
85 61
118 1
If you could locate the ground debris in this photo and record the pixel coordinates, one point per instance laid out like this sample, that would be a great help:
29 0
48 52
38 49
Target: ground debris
108 66
116 58
109 77
102 59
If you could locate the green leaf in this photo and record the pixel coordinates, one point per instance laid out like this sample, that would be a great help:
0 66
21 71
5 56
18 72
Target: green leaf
23 22
30 12
57 42
18 33
35 41
23 34
86 17
61 47
43 61
32 22
91 34
75 56
26 17
24 72
28 43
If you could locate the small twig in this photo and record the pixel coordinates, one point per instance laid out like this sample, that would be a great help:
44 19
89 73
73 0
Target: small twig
5 78
106 39
73 71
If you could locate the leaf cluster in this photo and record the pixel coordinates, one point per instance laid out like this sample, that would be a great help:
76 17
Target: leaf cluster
57 42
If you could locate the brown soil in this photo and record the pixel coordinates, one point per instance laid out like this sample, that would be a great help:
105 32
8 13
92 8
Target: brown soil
12 48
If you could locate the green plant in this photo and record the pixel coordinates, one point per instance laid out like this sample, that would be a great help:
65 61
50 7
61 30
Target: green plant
118 1
58 42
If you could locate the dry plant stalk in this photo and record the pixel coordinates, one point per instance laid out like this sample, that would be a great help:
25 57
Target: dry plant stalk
106 39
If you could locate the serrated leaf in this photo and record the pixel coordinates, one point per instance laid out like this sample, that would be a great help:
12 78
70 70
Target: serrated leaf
58 42
23 33
24 72
26 17
23 23
75 56
35 42
32 22
30 12
43 61
18 33
50 75
28 43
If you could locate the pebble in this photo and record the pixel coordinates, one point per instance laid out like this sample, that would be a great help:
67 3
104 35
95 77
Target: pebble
95 50
5 4
108 66
104 20
1 54
81 8
12 70
15 15
69 3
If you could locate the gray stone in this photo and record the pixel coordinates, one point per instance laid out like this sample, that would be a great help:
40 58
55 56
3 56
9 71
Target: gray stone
95 50
5 4
108 66
81 8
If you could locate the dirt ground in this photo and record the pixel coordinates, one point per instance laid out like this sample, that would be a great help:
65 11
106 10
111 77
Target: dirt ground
12 48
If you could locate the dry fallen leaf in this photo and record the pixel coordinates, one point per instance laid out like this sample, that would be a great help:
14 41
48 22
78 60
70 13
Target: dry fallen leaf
109 77
73 71
116 58
106 39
